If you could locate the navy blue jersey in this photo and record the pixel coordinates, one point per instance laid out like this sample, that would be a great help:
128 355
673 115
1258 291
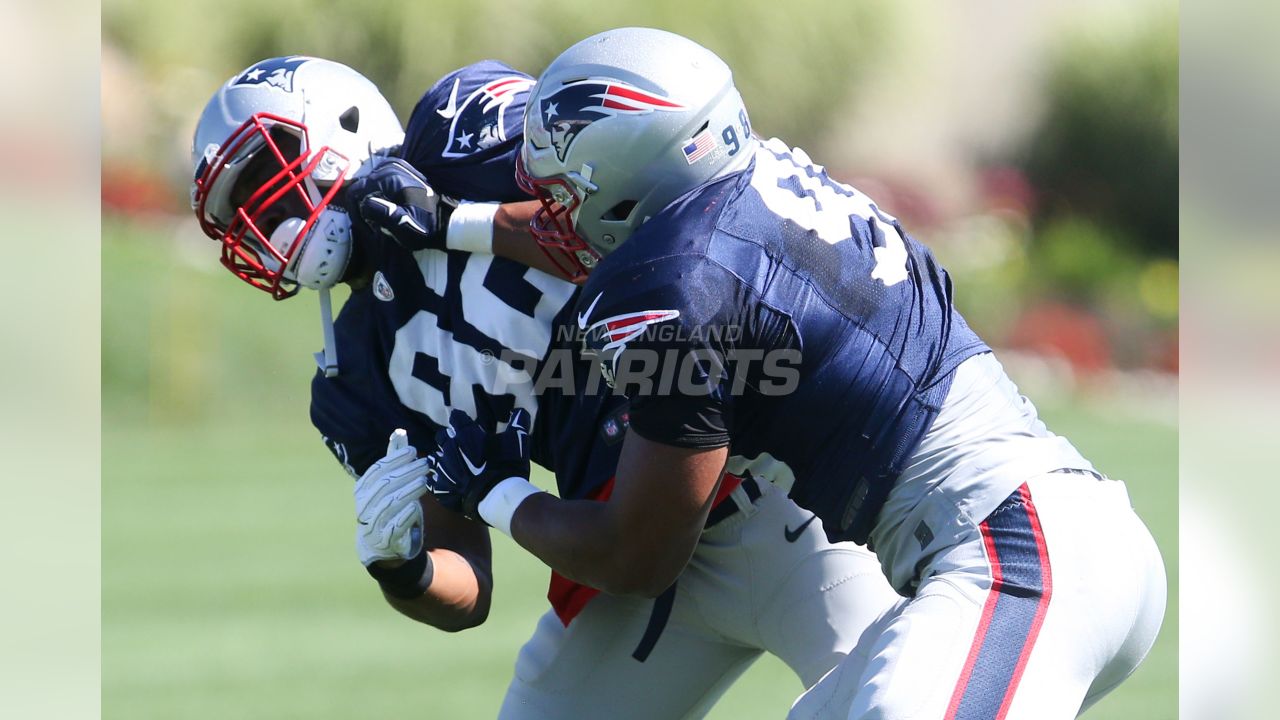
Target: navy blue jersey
436 331
465 132
782 314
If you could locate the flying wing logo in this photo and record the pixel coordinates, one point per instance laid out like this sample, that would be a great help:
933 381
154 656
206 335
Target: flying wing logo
480 121
607 338
573 107
619 330
277 72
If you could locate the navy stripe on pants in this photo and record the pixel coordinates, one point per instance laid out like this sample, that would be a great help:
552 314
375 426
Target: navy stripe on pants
1022 585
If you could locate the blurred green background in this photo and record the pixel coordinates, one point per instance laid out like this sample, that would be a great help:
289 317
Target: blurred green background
1034 147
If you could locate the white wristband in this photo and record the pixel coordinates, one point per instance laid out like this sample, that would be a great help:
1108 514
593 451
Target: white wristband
471 228
499 506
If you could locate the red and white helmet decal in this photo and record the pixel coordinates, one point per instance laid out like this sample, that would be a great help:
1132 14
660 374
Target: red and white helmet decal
569 110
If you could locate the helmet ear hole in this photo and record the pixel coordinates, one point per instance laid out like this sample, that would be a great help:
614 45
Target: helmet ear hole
350 120
619 212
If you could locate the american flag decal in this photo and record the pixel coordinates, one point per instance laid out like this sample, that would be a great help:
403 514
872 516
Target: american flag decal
698 147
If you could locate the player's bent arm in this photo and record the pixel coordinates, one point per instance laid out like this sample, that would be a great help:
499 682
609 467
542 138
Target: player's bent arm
396 201
639 541
461 586
512 240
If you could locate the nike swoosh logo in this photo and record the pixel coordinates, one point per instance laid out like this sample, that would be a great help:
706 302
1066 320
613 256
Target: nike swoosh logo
582 317
474 470
448 111
407 220
390 206
794 535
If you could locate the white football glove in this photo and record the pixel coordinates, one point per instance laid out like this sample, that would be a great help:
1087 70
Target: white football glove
388 514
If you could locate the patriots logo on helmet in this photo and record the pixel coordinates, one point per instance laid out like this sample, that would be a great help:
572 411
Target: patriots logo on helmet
277 72
573 107
480 121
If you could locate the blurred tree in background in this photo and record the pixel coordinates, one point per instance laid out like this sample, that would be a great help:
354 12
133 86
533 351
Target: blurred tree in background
791 68
1107 147
1096 279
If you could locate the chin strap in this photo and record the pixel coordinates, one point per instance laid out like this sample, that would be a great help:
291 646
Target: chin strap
327 359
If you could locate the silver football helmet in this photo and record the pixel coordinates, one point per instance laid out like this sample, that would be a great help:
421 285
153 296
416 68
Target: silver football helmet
271 150
617 127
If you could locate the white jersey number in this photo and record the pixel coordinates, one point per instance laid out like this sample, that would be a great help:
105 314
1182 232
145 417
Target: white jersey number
796 189
424 350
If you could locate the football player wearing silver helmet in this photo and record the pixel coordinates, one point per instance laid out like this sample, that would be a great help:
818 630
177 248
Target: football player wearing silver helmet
273 151
270 154
599 183
816 344
424 334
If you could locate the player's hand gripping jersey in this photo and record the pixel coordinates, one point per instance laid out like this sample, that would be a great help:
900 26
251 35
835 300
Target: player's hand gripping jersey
818 346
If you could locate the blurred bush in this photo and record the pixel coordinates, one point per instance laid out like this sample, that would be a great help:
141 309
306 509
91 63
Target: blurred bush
1107 147
1086 211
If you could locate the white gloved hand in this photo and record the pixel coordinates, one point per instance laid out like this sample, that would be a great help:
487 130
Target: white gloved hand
388 514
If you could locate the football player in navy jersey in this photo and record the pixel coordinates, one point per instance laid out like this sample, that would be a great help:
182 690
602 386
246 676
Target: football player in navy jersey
764 318
303 174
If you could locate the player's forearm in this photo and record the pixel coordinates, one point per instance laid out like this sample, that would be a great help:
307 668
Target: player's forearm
587 542
636 543
457 598
512 240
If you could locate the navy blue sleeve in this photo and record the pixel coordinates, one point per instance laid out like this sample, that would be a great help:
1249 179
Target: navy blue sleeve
465 132
664 338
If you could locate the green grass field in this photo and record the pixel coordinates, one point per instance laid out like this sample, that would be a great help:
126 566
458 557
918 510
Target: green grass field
230 583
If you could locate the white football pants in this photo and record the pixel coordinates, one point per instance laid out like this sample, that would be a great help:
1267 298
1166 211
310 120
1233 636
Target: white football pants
1033 613
747 590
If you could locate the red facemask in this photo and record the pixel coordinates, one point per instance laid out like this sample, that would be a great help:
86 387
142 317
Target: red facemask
552 224
277 179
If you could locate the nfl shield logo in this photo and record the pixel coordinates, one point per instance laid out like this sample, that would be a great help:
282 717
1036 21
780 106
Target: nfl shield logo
381 288
614 428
